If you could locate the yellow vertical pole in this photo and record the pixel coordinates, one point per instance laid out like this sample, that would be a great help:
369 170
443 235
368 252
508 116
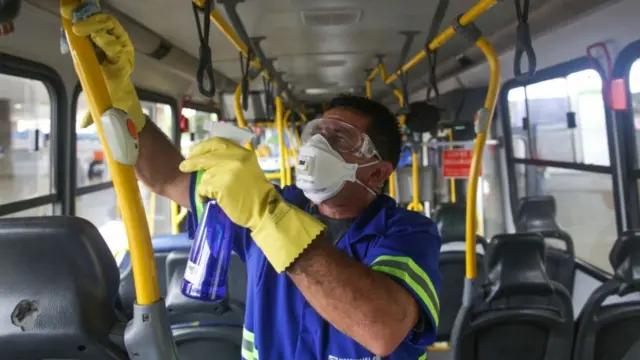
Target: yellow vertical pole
281 143
483 123
452 181
285 126
124 178
175 214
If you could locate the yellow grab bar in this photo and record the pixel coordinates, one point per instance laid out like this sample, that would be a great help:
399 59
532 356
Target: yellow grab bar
470 16
452 181
124 179
228 31
281 143
272 176
483 122
237 105
415 204
392 177
285 128
175 213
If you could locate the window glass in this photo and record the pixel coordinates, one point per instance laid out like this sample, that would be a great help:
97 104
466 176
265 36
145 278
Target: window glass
101 209
160 114
45 210
158 210
25 137
90 161
634 85
198 129
549 105
585 208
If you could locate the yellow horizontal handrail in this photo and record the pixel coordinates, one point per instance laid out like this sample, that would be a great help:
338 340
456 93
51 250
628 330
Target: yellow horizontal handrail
124 179
470 16
228 31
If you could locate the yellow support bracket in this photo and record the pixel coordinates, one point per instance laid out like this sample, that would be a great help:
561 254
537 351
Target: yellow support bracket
124 178
467 18
483 124
228 31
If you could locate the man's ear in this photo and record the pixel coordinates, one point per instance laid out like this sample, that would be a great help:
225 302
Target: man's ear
380 174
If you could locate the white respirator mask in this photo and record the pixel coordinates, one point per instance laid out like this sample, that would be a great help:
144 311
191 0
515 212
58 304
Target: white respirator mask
322 172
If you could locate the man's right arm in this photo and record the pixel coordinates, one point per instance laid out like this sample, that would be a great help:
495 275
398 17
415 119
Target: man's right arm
158 163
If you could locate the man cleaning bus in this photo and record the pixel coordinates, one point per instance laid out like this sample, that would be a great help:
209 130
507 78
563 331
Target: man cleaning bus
335 269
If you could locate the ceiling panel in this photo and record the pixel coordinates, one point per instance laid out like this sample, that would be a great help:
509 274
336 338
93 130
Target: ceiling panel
299 49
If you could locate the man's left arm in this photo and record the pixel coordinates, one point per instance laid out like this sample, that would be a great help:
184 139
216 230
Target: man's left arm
384 301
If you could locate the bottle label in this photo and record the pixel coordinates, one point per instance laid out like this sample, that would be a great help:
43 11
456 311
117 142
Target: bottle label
192 273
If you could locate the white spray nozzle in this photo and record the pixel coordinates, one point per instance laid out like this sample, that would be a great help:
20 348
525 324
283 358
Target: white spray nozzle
231 132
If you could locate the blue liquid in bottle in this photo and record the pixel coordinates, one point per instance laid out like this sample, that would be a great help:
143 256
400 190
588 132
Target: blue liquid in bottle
205 277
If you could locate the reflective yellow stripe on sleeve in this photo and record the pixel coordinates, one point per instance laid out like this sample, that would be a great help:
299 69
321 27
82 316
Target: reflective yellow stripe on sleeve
423 357
249 351
408 271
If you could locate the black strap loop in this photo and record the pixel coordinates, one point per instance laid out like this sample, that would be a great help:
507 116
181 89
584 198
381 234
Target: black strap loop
244 69
205 67
432 83
268 98
404 83
524 44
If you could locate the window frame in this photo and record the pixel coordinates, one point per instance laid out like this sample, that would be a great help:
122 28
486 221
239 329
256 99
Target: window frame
143 95
556 71
625 131
560 70
60 149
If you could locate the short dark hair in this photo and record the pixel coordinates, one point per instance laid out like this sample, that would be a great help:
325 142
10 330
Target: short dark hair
383 129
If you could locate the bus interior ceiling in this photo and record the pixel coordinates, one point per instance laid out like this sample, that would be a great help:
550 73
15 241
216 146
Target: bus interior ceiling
323 49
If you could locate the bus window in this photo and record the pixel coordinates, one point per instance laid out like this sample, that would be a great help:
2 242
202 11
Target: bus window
198 130
585 209
158 208
161 115
551 133
44 210
26 160
634 86
101 209
90 162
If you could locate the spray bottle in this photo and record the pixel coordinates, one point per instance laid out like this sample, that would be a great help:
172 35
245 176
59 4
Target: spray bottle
205 276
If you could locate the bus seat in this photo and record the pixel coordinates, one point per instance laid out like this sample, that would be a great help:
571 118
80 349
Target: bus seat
60 285
162 246
186 310
451 219
451 223
611 331
202 341
518 313
452 268
538 214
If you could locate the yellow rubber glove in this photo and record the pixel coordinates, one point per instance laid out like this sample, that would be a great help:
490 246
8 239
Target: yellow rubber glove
107 33
233 177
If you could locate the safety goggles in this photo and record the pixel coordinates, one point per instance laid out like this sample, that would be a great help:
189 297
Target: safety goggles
342 137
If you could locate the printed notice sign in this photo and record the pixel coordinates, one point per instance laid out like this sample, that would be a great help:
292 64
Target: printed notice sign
456 163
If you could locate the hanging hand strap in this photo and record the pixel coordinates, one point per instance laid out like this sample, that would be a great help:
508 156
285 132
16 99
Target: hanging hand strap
432 83
244 69
523 42
205 67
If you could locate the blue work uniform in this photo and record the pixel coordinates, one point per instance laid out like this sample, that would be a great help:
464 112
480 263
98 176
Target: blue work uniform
281 324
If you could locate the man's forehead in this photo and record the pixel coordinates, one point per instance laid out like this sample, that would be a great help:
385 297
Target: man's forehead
349 116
